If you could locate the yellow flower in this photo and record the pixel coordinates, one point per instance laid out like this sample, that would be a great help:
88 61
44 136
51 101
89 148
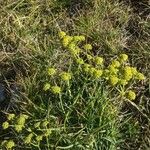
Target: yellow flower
99 60
127 73
123 82
113 70
115 63
140 76
113 80
87 47
37 124
134 70
92 70
76 38
48 132
123 57
80 61
65 76
55 89
106 74
61 34
89 57
51 71
10 144
25 116
72 46
18 128
28 138
45 123
10 116
82 38
46 87
98 73
131 95
86 67
66 40
75 52
39 138
5 125
21 120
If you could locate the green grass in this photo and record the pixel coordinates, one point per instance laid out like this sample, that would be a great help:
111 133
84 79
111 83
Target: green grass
88 114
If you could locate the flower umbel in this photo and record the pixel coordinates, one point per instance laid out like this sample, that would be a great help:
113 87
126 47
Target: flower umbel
131 95
10 116
10 144
5 125
28 138
88 47
51 71
55 89
62 34
65 76
46 87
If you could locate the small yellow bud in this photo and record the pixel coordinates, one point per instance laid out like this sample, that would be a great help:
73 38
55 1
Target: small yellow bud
99 60
39 138
140 76
10 144
65 76
123 57
80 61
45 123
10 116
37 124
72 46
131 95
82 38
113 80
133 70
28 138
5 125
92 70
87 47
89 57
115 63
86 67
113 70
66 40
48 132
128 73
106 74
55 89
123 82
46 87
98 73
61 34
18 128
51 71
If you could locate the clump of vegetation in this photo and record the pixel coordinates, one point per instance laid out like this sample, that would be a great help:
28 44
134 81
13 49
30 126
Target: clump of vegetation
86 88
88 70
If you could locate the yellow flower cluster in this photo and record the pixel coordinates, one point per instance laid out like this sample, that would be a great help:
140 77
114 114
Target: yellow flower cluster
64 76
51 71
28 139
5 125
20 122
131 95
28 132
8 144
117 72
55 89
87 47
98 60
